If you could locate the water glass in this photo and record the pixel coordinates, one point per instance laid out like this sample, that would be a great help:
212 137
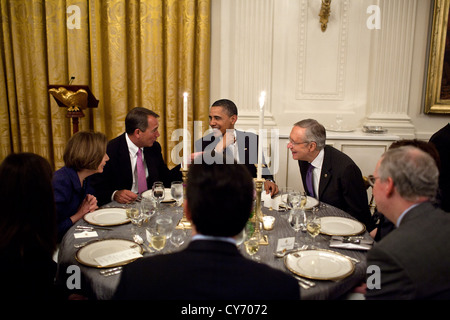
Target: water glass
176 191
164 225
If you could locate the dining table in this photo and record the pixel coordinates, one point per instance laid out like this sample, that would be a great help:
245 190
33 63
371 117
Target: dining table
95 285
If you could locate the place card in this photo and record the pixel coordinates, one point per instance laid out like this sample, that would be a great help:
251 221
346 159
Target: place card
85 234
285 244
118 257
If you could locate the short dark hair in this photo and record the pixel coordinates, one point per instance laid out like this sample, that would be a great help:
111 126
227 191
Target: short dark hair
137 118
228 105
219 197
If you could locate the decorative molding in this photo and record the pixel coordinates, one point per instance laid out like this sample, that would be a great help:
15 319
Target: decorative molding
248 59
390 83
308 13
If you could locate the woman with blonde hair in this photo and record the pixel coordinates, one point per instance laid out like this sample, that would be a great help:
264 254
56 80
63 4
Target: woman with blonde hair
84 155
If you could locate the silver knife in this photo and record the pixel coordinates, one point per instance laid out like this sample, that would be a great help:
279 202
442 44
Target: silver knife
307 282
112 273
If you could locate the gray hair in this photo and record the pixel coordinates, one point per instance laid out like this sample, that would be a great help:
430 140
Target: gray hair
413 171
315 132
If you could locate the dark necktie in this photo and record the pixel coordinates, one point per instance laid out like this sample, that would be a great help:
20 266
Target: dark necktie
309 181
142 182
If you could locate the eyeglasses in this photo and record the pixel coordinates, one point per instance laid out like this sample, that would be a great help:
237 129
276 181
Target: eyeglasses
372 180
297 143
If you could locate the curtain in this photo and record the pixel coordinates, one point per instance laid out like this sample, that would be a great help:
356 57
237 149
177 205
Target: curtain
130 53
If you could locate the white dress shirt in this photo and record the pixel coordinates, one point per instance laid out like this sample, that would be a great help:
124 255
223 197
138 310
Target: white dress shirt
317 171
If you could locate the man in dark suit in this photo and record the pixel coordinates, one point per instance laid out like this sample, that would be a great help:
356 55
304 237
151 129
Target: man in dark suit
239 145
119 180
441 140
335 177
412 261
218 205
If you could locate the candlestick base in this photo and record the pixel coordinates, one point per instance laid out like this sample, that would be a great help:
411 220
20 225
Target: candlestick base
184 223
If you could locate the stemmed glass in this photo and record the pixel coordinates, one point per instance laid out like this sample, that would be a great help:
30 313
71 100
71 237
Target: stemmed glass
135 215
293 199
297 223
176 190
252 246
303 199
313 227
178 238
158 193
156 238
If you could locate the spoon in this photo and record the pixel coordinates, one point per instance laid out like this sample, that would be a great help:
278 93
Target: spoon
138 239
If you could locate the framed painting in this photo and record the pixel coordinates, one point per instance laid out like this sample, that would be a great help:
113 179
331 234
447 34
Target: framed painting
437 94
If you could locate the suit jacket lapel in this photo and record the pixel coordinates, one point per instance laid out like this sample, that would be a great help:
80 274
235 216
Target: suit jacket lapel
124 155
325 175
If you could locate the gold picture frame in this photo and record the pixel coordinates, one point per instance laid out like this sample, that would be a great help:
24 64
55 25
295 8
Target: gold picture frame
437 95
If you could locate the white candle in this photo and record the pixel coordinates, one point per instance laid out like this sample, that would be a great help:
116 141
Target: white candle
185 130
262 99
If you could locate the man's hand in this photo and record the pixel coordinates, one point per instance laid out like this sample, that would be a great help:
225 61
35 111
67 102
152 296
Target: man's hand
270 187
125 196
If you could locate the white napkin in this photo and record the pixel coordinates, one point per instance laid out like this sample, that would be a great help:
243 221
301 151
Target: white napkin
270 202
118 257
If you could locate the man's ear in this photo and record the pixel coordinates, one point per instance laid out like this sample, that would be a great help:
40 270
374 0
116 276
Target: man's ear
389 187
233 118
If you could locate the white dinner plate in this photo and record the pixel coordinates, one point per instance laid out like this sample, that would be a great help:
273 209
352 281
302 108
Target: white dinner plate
319 264
107 217
87 254
167 195
339 226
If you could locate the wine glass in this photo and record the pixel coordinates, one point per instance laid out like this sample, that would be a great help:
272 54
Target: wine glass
155 238
293 199
178 238
297 222
313 227
147 208
303 199
252 246
176 190
135 215
158 193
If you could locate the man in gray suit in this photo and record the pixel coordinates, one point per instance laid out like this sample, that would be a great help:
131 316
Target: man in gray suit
413 259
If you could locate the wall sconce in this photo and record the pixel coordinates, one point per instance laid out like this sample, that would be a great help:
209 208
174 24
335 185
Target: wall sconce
324 14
